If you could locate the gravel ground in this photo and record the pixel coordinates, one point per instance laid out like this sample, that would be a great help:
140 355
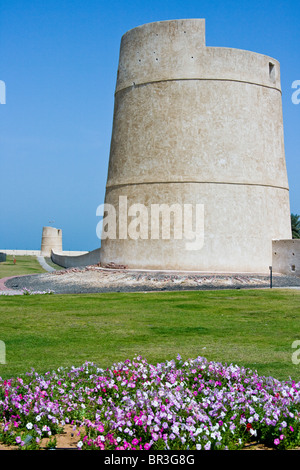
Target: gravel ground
93 279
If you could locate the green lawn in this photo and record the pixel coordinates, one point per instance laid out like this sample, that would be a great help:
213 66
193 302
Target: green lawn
255 328
24 265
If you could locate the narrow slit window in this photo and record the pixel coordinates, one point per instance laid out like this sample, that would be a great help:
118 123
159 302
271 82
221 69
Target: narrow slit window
272 71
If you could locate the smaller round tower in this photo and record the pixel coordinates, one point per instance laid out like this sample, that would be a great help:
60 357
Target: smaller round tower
51 240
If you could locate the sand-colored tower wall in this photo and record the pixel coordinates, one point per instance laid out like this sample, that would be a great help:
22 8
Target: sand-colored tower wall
51 240
198 125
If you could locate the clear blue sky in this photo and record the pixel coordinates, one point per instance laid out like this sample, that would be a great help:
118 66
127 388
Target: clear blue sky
59 61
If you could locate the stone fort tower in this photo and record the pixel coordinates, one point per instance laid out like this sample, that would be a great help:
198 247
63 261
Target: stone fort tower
197 125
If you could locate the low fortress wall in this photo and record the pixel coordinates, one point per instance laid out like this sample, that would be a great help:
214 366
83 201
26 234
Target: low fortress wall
286 257
22 252
39 253
66 261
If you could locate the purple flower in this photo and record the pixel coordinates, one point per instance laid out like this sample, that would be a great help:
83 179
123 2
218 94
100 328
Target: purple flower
162 405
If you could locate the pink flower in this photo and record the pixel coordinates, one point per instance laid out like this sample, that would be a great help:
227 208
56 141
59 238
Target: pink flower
281 437
276 442
135 441
147 446
292 429
100 428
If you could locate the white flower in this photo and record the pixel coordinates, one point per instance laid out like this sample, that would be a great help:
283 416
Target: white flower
207 446
80 444
175 428
29 425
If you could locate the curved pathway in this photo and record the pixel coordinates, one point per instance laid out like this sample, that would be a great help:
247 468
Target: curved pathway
44 265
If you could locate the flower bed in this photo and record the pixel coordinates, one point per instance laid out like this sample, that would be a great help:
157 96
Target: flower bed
176 405
26 291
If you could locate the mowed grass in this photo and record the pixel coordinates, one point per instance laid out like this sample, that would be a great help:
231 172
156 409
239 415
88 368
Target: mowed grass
24 265
254 328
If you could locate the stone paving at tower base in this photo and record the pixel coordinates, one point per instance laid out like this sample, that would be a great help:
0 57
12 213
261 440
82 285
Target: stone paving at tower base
94 279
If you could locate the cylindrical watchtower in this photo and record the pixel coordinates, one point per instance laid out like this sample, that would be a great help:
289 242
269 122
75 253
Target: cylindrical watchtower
51 240
201 126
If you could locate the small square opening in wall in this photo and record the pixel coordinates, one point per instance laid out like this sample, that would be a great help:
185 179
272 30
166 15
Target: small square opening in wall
293 267
272 71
